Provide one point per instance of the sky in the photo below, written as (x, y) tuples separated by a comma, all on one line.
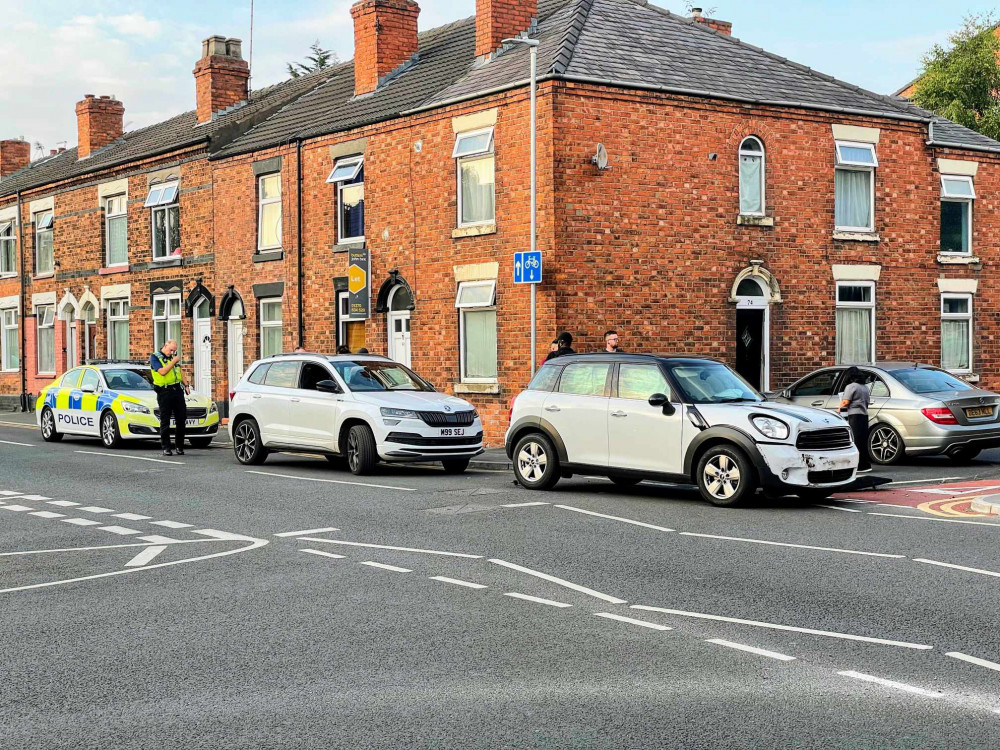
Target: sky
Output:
[(143, 52)]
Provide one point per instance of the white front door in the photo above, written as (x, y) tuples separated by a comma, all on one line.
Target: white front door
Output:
[(399, 337), (71, 358), (235, 353), (203, 356)]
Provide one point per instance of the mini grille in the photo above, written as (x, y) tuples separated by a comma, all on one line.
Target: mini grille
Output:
[(832, 439), (444, 419)]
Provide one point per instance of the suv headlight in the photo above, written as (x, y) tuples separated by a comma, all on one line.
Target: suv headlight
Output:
[(399, 413), (133, 408), (770, 427)]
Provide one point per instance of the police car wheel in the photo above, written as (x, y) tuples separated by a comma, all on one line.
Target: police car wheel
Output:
[(110, 435), (247, 444), (49, 434)]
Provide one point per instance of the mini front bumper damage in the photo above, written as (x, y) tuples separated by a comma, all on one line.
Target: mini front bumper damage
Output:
[(789, 466)]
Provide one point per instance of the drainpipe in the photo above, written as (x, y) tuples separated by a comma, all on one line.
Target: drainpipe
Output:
[(20, 312), (298, 236)]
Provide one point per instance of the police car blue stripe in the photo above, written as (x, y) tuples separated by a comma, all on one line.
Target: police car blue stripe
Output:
[(75, 399)]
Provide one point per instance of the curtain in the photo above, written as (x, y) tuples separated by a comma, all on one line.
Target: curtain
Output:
[(10, 348), (854, 334), (751, 174), (477, 191), (480, 343), (271, 341), (270, 225), (7, 257), (119, 339), (955, 344), (44, 259), (853, 198), (117, 241), (46, 349), (352, 211)]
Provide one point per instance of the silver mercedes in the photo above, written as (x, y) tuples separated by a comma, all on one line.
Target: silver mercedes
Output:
[(916, 410)]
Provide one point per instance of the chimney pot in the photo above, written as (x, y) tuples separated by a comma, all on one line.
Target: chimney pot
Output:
[(723, 27), (14, 155), (98, 123), (220, 76), (385, 37), (497, 20)]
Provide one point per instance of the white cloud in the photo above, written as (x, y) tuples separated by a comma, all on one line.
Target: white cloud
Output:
[(135, 24)]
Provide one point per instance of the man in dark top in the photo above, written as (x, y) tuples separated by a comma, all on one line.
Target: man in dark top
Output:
[(611, 342), (564, 343), (168, 381)]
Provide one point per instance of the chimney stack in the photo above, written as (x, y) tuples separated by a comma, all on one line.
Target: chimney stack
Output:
[(98, 123), (723, 27), (385, 37), (220, 76), (497, 20), (14, 155)]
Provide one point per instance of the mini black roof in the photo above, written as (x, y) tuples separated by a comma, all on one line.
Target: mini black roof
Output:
[(624, 356)]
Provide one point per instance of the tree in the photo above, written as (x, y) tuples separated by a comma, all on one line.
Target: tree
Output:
[(962, 82), (319, 59)]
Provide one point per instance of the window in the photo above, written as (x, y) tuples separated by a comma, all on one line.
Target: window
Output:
[(875, 384), (350, 330), (270, 327), (476, 198), (585, 379), (45, 317), (349, 176), (44, 262), (312, 375), (167, 320), (366, 375), (476, 303), (166, 220), (282, 375), (545, 379), (257, 376), (8, 249), (118, 343), (922, 380), (956, 332), (115, 228), (269, 212), (957, 195), (854, 187), (639, 382), (10, 340), (820, 384), (855, 323), (71, 379), (91, 380), (752, 177)]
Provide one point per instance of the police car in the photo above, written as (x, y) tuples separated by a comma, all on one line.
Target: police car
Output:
[(115, 401)]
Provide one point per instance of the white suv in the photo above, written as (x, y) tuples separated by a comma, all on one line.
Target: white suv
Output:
[(678, 419), (362, 408)]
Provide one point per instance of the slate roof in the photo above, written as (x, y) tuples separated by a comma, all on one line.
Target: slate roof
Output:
[(176, 133)]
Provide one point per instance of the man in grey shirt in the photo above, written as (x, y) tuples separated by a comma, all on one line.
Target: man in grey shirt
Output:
[(855, 404)]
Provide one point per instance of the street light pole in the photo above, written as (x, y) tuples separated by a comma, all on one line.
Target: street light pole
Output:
[(533, 45)]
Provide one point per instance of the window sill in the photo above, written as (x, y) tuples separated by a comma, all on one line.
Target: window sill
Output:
[(8, 275), (112, 269), (748, 220), (488, 388), (50, 275), (169, 262), (344, 247), (474, 231), (268, 256), (955, 259), (840, 234)]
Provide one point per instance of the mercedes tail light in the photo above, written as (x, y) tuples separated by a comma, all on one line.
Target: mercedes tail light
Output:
[(939, 415)]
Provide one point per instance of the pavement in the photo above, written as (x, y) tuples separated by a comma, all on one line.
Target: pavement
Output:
[(193, 602)]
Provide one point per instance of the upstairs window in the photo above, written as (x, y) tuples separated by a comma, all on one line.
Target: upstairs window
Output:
[(166, 220), (752, 177), (116, 230), (854, 187), (855, 323), (118, 335), (167, 320), (45, 316), (476, 303), (8, 249), (269, 212), (349, 176), (957, 196), (270, 327), (476, 177), (10, 340), (44, 261), (956, 332)]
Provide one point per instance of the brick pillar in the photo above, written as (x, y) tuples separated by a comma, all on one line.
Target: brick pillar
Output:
[(385, 37), (99, 121), (220, 76), (497, 20)]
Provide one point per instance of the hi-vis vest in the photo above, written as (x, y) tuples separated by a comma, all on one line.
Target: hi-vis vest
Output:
[(172, 377)]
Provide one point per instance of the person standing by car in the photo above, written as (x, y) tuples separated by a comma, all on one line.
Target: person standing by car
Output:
[(564, 346), (168, 382), (611, 342), (856, 399)]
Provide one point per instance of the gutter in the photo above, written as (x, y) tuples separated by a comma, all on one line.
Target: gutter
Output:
[(20, 312), (298, 237)]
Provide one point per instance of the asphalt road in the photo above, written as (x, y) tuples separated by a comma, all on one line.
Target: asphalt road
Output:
[(155, 603)]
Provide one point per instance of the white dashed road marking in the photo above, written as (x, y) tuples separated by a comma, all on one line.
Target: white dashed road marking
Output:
[(467, 584), (834, 507), (787, 544), (751, 649), (11, 442), (172, 524), (145, 557), (614, 518), (155, 539), (308, 531), (63, 503), (935, 520), (958, 567), (132, 517), (397, 549), (974, 660), (383, 566), (536, 599), (632, 621), (47, 514), (332, 481), (10, 493), (889, 683), (523, 505), (559, 582), (95, 509), (35, 498), (120, 530), (322, 553), (225, 536), (16, 508), (82, 522), (133, 458)]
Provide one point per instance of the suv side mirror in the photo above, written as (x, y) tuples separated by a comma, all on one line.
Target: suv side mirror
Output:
[(328, 386), (660, 399)]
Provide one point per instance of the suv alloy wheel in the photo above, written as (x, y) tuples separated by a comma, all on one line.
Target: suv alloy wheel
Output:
[(536, 464), (247, 444), (362, 454), (725, 477)]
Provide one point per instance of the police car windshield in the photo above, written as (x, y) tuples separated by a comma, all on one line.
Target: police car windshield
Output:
[(712, 383), (379, 376), (128, 380)]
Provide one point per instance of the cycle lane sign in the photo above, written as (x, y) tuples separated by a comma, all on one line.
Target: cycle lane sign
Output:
[(528, 267)]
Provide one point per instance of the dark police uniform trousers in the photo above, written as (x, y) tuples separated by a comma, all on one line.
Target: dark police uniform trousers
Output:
[(170, 399)]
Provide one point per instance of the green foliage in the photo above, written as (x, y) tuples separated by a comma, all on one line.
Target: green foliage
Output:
[(962, 82), (319, 59)]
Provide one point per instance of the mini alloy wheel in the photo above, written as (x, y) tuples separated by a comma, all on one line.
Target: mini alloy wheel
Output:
[(109, 430), (884, 445), (49, 434), (536, 464), (725, 477), (247, 445)]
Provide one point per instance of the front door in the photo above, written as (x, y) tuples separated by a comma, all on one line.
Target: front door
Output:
[(203, 356), (235, 352), (71, 358), (750, 346), (399, 337)]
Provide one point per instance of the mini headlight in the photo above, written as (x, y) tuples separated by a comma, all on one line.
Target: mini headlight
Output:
[(770, 427), (134, 408), (399, 413)]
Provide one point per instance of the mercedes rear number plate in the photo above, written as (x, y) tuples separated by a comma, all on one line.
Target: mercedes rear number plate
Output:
[(979, 411), (452, 431)]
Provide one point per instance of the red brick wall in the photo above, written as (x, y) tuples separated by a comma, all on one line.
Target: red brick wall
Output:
[(385, 37), (497, 20), (99, 121), (14, 155)]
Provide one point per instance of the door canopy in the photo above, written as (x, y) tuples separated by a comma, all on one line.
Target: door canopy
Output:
[(757, 273)]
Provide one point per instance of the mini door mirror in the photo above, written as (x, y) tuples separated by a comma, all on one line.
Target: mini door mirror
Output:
[(88, 388), (660, 399), (328, 386)]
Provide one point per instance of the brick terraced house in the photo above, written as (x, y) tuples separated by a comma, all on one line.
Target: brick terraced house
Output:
[(750, 209)]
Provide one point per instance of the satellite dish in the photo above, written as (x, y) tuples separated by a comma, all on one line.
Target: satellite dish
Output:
[(601, 157)]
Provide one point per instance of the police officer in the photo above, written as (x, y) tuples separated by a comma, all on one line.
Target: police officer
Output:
[(168, 381)]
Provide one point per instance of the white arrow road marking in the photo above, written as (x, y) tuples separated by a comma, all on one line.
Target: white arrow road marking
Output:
[(467, 584), (957, 567), (322, 553), (133, 458), (307, 531), (614, 518), (536, 599), (751, 649), (773, 626), (787, 544), (386, 546), (383, 566), (631, 621), (145, 557), (974, 660), (889, 683), (560, 582)]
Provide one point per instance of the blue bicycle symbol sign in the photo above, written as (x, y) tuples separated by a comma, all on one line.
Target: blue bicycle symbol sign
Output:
[(528, 267)]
